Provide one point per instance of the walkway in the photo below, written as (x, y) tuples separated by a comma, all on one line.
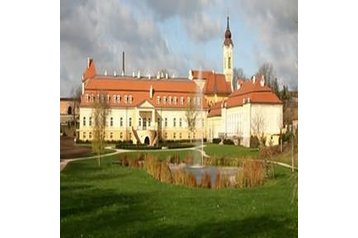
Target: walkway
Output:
[(64, 162), (198, 148)]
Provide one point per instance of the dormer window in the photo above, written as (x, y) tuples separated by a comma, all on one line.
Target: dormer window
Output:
[(130, 99), (158, 99), (170, 99), (125, 99), (175, 100), (181, 100), (164, 99)]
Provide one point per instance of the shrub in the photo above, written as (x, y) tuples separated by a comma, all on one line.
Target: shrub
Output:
[(174, 159), (189, 159), (222, 181), (254, 142), (251, 174), (165, 174), (206, 181), (228, 142)]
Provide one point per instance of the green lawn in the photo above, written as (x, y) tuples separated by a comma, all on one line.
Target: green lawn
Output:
[(229, 151), (113, 201)]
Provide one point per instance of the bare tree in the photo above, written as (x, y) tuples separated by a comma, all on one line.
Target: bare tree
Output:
[(100, 111), (238, 74), (190, 115), (76, 95), (258, 127), (267, 70)]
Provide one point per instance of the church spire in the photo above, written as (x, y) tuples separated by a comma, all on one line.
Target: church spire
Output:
[(228, 40)]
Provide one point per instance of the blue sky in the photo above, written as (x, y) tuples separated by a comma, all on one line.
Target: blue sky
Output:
[(177, 36)]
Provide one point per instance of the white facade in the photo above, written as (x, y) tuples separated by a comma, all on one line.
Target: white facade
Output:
[(248, 120)]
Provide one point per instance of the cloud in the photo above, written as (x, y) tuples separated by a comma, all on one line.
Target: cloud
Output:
[(103, 30), (194, 15), (276, 23)]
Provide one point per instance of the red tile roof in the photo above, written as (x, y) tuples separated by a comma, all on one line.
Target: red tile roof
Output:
[(215, 83), (253, 92), (139, 89), (90, 71), (215, 110)]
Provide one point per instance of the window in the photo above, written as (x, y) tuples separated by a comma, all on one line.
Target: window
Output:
[(174, 135), (121, 135), (130, 135), (188, 100), (229, 62), (180, 122), (121, 122), (90, 135), (189, 135), (130, 121), (84, 135), (108, 98), (158, 99), (149, 120), (193, 135), (180, 135), (181, 100), (90, 121), (87, 98), (125, 99), (174, 122), (164, 99), (165, 135), (130, 99), (140, 121), (170, 99), (175, 100), (111, 135), (69, 110), (165, 122), (84, 121)]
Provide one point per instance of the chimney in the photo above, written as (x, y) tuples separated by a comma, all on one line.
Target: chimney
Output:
[(89, 62), (158, 75), (253, 79), (123, 63), (114, 73), (151, 91), (133, 75), (105, 72), (138, 74), (166, 75)]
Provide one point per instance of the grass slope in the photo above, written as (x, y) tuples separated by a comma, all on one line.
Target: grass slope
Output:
[(112, 201)]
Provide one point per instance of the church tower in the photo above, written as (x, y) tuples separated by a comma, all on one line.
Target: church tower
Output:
[(228, 56)]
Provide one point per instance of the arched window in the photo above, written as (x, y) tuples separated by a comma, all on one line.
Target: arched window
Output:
[(69, 110)]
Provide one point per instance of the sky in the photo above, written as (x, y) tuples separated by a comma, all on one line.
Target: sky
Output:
[(176, 36)]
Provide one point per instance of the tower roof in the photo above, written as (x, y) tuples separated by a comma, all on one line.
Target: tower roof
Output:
[(228, 40)]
